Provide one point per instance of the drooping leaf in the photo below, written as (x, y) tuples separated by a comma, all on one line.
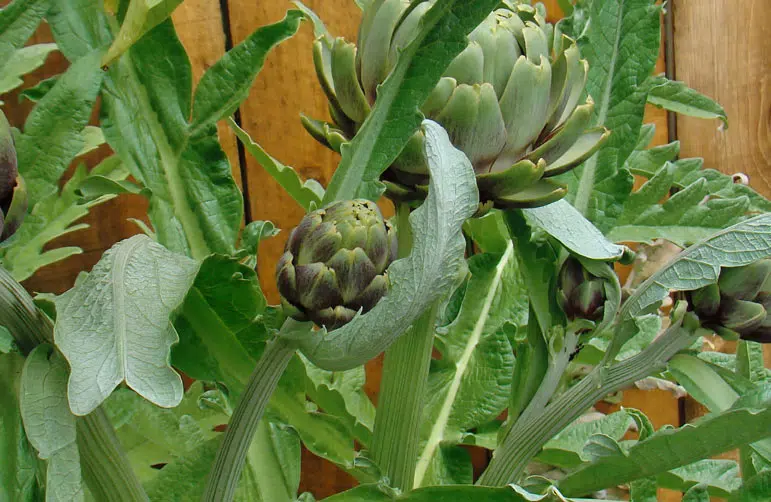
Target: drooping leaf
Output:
[(18, 22), (54, 216), (418, 280), (226, 84), (17, 458), (52, 134), (720, 477), (700, 264), (21, 62), (621, 43), (141, 16), (470, 384), (678, 97), (308, 193), (563, 222), (747, 421), (395, 116), (116, 325), (49, 423)]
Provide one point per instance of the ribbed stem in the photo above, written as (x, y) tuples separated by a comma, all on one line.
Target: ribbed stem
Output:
[(227, 467), (105, 466), (527, 437), (396, 435)]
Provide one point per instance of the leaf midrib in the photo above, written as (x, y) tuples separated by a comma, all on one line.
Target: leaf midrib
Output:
[(586, 184), (117, 276), (437, 431)]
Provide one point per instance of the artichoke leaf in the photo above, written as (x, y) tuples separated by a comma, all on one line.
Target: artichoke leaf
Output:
[(419, 280)]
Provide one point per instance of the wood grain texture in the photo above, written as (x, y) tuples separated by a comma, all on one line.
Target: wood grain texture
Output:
[(285, 88)]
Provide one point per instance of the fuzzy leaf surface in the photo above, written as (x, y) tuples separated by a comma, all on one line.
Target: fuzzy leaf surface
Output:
[(116, 325)]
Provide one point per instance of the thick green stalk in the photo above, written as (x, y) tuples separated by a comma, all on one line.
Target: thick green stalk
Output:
[(105, 465), (405, 371), (103, 461), (527, 437), (229, 462), (396, 433)]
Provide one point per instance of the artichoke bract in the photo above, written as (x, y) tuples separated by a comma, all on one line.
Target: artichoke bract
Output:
[(335, 262), (511, 101), (737, 306)]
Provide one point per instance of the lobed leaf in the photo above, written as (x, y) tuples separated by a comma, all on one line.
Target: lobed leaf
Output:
[(21, 62), (115, 325), (566, 449), (141, 16), (18, 21), (418, 280), (720, 477)]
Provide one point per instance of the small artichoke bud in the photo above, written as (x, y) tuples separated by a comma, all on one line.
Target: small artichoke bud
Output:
[(737, 305), (581, 294), (334, 263)]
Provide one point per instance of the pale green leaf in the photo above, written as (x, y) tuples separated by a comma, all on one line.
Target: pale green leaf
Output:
[(700, 264), (21, 62), (698, 493), (307, 194), (418, 280), (226, 83), (702, 382), (93, 138), (49, 423), (141, 17), (116, 325), (679, 98), (471, 383), (563, 222)]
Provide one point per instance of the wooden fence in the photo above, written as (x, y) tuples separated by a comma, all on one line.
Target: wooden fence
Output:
[(720, 47)]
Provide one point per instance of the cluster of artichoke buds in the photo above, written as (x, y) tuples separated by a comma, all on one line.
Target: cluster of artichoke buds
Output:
[(511, 101), (580, 294), (737, 305), (334, 263), (13, 196)]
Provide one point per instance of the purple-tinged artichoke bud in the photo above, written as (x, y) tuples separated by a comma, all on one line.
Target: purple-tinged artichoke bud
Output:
[(737, 305), (581, 294), (13, 195), (334, 263)]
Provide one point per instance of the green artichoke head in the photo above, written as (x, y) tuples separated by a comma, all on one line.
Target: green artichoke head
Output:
[(737, 305), (511, 101), (334, 264)]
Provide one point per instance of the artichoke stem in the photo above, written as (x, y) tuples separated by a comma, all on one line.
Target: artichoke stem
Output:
[(231, 455), (395, 438)]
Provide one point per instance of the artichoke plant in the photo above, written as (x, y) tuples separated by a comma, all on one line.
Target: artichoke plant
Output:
[(13, 196), (737, 305), (334, 263), (511, 101), (580, 294)]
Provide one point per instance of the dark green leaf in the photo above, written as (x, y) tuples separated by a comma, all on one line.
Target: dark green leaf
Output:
[(36, 92), (18, 22), (52, 133), (678, 97), (226, 84), (755, 489)]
